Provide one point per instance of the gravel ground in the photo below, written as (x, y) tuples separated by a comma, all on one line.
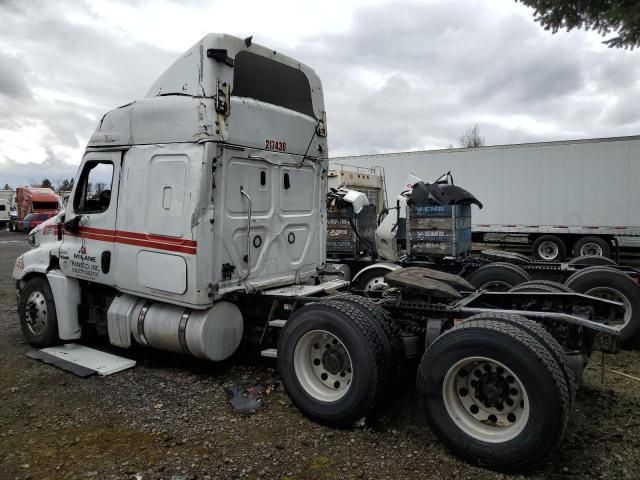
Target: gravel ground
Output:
[(169, 418)]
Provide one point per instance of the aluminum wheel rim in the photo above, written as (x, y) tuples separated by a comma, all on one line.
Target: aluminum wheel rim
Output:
[(376, 284), (323, 366), (548, 250), (496, 286), (36, 312), (485, 399), (591, 249), (608, 293)]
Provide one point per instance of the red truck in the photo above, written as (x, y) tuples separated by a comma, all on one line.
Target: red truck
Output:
[(33, 200)]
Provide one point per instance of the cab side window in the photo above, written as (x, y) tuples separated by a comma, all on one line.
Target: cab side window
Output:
[(93, 192)]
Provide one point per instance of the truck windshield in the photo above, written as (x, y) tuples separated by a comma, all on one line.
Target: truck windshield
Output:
[(272, 82)]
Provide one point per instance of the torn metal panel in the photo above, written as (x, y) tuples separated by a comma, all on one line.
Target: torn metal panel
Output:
[(82, 361)]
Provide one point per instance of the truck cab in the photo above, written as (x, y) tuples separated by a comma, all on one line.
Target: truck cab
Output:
[(209, 185)]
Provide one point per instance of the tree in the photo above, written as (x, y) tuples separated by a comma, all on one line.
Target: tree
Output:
[(98, 188), (64, 185), (602, 16), (46, 183), (7, 187), (471, 138)]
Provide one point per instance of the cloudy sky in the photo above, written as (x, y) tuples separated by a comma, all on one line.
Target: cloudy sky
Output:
[(398, 75)]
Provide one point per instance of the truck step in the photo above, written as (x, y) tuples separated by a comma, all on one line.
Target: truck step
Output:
[(278, 323), (270, 352)]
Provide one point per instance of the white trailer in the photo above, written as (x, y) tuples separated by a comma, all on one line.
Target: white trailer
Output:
[(571, 197)]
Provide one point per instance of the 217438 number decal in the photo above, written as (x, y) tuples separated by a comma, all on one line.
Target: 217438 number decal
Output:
[(276, 145)]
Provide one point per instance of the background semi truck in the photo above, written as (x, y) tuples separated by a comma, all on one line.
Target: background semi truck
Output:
[(566, 198), (6, 202), (33, 200)]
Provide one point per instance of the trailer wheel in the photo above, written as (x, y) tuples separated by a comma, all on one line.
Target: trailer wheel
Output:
[(37, 313), (541, 286), (545, 338), (394, 347), (611, 284), (493, 395), (593, 260), (549, 248), (498, 277), (503, 256), (592, 246), (330, 358)]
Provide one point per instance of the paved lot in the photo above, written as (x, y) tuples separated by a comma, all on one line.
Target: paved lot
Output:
[(169, 418)]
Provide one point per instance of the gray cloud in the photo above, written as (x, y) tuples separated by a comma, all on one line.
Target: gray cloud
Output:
[(13, 77), (450, 64)]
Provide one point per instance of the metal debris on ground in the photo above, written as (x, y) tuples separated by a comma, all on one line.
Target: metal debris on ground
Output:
[(82, 361), (246, 399)]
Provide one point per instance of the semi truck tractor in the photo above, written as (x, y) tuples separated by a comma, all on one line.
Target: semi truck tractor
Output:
[(211, 235), (566, 198), (33, 200)]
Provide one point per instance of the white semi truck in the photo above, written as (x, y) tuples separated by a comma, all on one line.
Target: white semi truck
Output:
[(566, 198), (211, 234)]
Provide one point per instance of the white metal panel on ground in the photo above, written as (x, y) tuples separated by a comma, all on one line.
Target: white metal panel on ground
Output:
[(101, 362), (572, 185)]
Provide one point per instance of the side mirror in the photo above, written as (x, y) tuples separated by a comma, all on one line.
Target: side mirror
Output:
[(73, 225)]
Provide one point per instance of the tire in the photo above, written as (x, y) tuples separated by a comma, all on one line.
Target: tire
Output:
[(541, 286), (537, 331), (394, 347), (371, 281), (539, 396), (606, 282), (592, 246), (37, 313), (318, 389), (549, 248), (507, 257), (592, 261), (498, 276), (11, 229)]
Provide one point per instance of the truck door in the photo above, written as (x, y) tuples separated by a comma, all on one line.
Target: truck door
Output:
[(89, 234)]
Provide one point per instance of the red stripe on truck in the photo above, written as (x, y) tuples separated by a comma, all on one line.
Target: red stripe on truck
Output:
[(159, 242)]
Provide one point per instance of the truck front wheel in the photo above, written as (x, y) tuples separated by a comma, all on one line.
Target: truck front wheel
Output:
[(493, 394), (330, 358), (37, 313)]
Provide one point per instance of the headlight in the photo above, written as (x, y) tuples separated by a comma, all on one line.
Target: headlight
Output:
[(32, 240)]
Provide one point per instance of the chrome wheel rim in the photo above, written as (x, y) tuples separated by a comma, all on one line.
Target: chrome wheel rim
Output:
[(376, 284), (485, 399), (323, 366), (608, 293), (591, 249), (548, 250), (36, 312)]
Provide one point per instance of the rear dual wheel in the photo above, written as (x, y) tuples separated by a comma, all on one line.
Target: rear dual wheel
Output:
[(494, 394), (334, 360), (611, 284), (498, 277)]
